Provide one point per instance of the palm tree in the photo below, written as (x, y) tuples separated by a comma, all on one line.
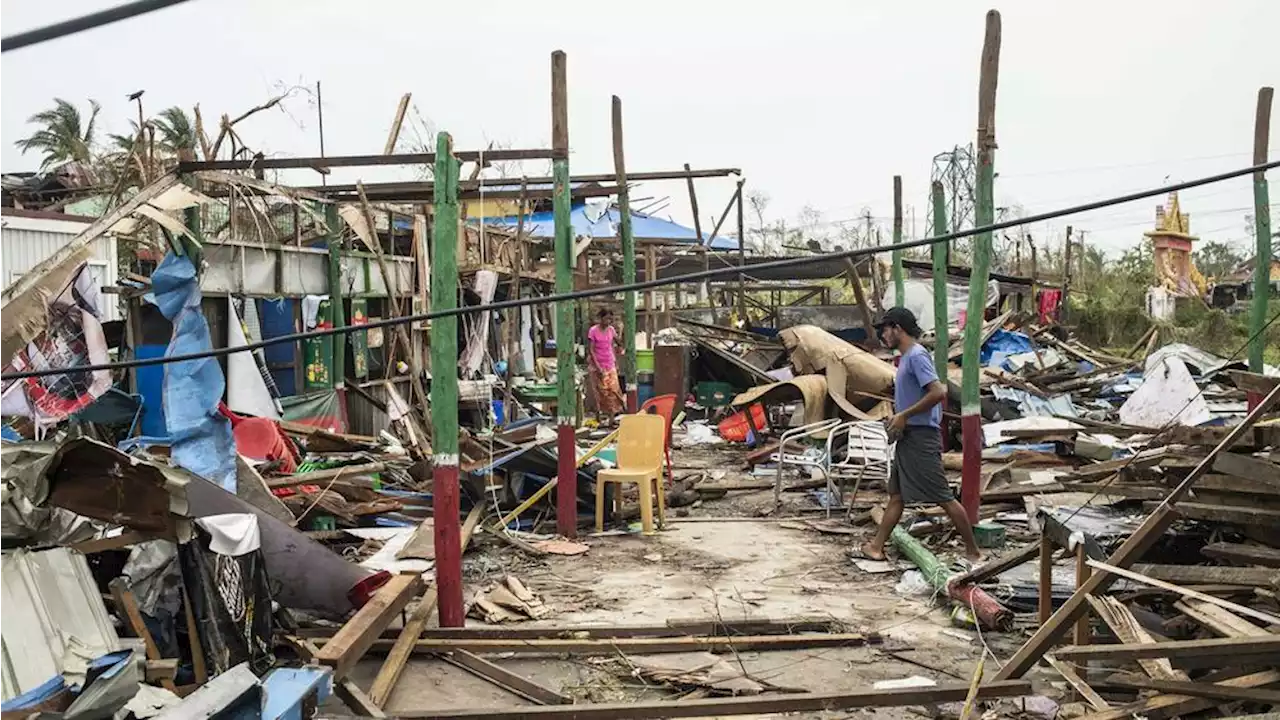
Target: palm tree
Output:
[(177, 131), (64, 136)]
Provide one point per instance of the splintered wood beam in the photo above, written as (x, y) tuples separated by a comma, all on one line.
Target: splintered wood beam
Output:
[(1158, 707), (610, 646), (1151, 529), (1126, 627), (355, 638), (1243, 554), (333, 161), (1240, 647), (1219, 620), (679, 627), (1077, 683), (389, 673), (1248, 467), (505, 679), (127, 607), (756, 705), (993, 568), (1212, 575), (1194, 689), (1187, 592)]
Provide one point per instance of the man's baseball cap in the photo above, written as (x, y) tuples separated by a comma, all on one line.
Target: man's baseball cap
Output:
[(902, 318)]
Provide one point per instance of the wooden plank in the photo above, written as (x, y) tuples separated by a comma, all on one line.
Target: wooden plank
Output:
[(355, 638), (164, 669), (115, 542), (1252, 382), (1240, 647), (1243, 554), (127, 607), (1197, 574), (755, 705), (389, 673), (1219, 620), (1187, 592), (1248, 467), (505, 679), (1163, 706), (1194, 689), (1077, 683), (320, 477), (1151, 529), (1045, 579), (1238, 514), (640, 646), (994, 567), (198, 666), (1126, 627), (1237, 484), (678, 627)]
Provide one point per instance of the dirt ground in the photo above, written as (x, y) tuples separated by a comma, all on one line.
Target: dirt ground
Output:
[(721, 560)]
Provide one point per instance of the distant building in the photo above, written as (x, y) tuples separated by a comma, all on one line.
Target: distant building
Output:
[(30, 236)]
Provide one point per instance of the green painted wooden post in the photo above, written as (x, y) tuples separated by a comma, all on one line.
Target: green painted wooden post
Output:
[(628, 242), (444, 387), (1262, 235), (941, 329), (337, 311), (984, 214), (899, 280), (566, 333)]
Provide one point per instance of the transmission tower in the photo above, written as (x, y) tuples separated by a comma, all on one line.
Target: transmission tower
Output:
[(956, 170)]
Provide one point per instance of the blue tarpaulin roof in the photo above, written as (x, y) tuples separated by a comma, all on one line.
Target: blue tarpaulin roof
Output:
[(542, 224)]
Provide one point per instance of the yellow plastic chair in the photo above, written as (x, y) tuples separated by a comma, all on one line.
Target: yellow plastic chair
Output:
[(641, 440)]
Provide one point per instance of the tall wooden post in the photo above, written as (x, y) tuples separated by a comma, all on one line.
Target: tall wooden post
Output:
[(899, 281), (628, 243), (697, 229), (970, 399), (941, 311), (742, 258), (566, 333), (337, 312), (444, 387), (1262, 236), (1066, 278), (1035, 289)]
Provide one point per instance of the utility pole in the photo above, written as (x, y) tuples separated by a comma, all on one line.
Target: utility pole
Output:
[(1262, 236), (1066, 279), (942, 340), (970, 399), (628, 243), (566, 334), (742, 258), (444, 387), (899, 282)]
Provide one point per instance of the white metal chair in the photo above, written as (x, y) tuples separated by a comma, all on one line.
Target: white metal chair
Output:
[(819, 462), (867, 454)]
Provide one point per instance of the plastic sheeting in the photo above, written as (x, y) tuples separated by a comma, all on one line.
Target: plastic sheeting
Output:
[(1168, 394), (199, 437), (1002, 344), (919, 300)]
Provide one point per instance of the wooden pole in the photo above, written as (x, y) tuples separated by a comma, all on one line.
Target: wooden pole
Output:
[(1045, 578), (628, 243), (941, 309), (855, 284), (515, 324), (444, 386), (697, 227), (970, 400), (1035, 290), (337, 313), (742, 259), (566, 448), (1066, 278), (1262, 235), (899, 279), (394, 135)]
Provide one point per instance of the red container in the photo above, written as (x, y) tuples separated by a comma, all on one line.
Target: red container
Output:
[(261, 439), (735, 428)]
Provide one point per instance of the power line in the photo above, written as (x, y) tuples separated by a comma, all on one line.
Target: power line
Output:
[(780, 264), (84, 22)]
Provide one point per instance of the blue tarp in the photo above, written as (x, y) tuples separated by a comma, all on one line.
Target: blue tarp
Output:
[(199, 438), (1002, 344), (542, 224)]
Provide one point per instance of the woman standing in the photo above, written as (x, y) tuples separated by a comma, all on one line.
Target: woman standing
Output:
[(602, 367)]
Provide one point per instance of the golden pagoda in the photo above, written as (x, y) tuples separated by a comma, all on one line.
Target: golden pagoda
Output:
[(1172, 241)]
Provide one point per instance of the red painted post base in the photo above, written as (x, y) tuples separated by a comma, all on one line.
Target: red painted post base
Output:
[(1255, 399), (971, 477), (566, 481), (444, 485), (633, 401)]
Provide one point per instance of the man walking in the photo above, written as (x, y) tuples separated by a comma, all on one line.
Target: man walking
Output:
[(917, 477)]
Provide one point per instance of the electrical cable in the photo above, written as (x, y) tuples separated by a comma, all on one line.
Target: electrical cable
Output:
[(649, 284), (83, 22)]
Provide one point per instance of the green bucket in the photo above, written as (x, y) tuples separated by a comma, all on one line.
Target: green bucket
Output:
[(644, 361), (989, 534)]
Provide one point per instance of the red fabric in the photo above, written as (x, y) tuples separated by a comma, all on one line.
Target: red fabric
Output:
[(1048, 303)]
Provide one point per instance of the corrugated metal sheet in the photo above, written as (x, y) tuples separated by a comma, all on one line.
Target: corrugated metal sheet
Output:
[(27, 241), (54, 618)]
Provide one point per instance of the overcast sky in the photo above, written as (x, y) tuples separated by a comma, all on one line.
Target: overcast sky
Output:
[(820, 103)]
